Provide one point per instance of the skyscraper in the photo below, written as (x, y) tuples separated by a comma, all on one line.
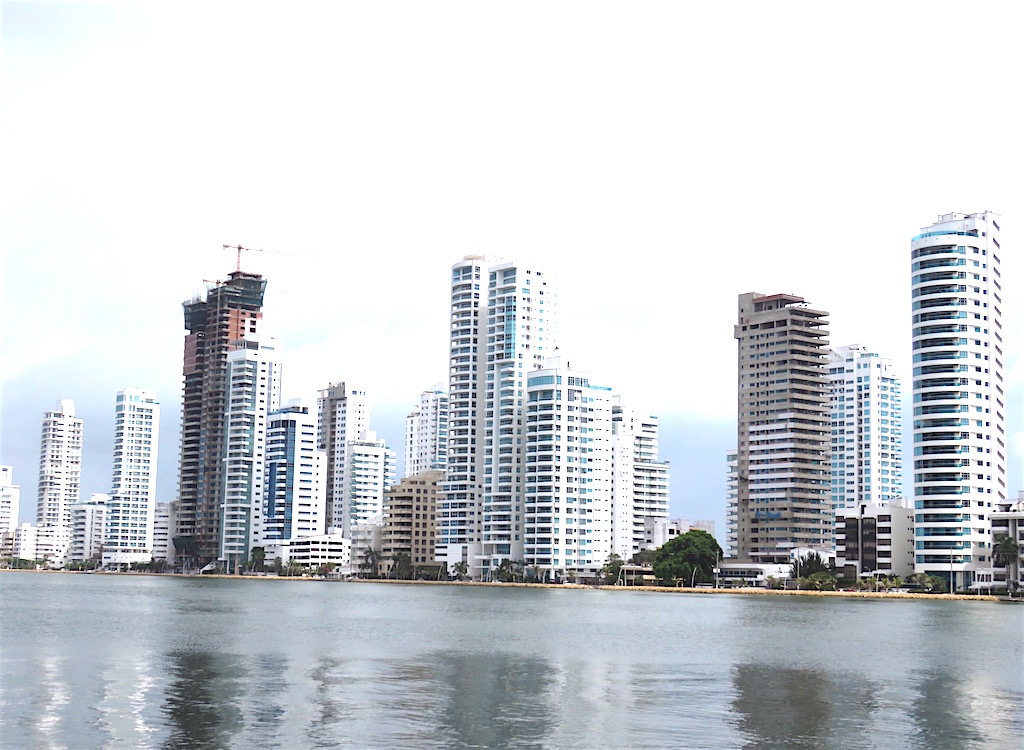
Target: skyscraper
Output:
[(60, 471), (496, 339), (640, 481), (128, 524), (782, 460), (959, 399), (566, 456), (253, 391), (370, 468), (426, 433), (867, 429), (231, 311), (296, 486), (343, 415)]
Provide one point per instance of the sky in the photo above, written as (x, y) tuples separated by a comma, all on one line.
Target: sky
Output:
[(658, 158)]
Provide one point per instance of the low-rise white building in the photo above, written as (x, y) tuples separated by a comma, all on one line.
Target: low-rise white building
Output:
[(658, 531), (88, 518), (313, 551), (10, 500), (1008, 521)]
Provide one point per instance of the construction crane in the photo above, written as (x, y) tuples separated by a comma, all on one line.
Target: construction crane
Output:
[(238, 249), (238, 259)]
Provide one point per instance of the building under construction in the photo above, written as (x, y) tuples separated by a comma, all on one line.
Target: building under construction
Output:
[(231, 311)]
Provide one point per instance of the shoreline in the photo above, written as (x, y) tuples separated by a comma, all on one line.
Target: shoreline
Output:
[(651, 589)]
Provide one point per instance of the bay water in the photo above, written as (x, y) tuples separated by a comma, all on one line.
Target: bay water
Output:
[(105, 661)]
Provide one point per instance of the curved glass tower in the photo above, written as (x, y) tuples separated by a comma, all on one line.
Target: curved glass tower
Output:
[(959, 400)]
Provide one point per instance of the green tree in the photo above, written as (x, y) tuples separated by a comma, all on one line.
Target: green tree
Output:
[(1006, 554), (460, 570), (612, 567), (688, 557), (808, 565), (370, 564), (401, 567), (258, 556)]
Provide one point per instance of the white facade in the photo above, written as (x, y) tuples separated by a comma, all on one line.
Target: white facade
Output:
[(128, 535), (867, 429), (296, 485), (959, 402), (88, 519), (163, 525), (502, 327), (873, 539), (640, 483), (461, 495), (659, 531), (567, 460), (10, 500), (1008, 521), (60, 466), (253, 390), (426, 433), (45, 544), (370, 469), (343, 414), (313, 551)]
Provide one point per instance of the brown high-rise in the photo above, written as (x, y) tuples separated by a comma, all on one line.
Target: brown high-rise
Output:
[(232, 309), (783, 451)]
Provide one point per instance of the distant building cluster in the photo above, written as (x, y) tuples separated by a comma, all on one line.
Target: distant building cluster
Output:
[(522, 461)]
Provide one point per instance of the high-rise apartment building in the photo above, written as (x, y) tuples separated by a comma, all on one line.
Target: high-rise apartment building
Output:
[(370, 469), (128, 530), (867, 429), (426, 433), (640, 481), (296, 496), (782, 458), (343, 415), (566, 457), (60, 473), (502, 327), (959, 398), (410, 510), (231, 311), (10, 500), (253, 378)]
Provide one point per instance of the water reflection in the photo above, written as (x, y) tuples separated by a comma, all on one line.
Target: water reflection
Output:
[(201, 703), (800, 708), (943, 715)]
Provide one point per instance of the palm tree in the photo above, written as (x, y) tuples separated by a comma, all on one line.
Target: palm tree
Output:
[(371, 562), (460, 569), (1005, 554)]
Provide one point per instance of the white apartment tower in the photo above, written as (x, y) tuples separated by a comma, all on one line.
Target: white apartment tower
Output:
[(867, 429), (426, 433), (60, 466), (10, 500), (732, 491), (128, 529), (640, 482), (252, 391), (959, 398), (296, 489), (782, 457), (503, 320), (566, 509), (369, 471), (343, 415)]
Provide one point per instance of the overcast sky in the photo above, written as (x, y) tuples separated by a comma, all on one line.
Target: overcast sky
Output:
[(659, 158)]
